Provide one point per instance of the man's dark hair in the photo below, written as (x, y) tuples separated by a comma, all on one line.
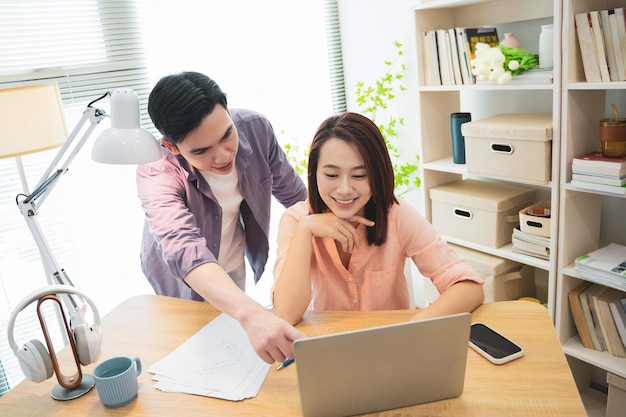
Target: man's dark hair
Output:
[(179, 102)]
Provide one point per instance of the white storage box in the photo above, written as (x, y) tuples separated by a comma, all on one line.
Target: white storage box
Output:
[(504, 279), (479, 211), (616, 401), (536, 219), (510, 145)]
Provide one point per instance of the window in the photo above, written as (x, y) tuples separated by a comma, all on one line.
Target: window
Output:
[(88, 47), (268, 56)]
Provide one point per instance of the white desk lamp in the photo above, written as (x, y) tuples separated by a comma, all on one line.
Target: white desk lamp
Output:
[(32, 121)]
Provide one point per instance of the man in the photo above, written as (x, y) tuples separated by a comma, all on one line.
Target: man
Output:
[(207, 202)]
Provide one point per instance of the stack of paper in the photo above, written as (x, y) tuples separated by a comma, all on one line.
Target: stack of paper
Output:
[(529, 244), (218, 361), (605, 266)]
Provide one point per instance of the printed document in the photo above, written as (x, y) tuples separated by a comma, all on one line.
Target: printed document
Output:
[(218, 361)]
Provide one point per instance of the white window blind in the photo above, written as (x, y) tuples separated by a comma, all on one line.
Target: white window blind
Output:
[(88, 47), (335, 56)]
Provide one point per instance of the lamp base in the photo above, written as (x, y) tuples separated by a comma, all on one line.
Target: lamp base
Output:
[(65, 394)]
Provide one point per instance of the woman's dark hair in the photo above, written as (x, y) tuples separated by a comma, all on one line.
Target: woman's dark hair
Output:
[(361, 132), (179, 102)]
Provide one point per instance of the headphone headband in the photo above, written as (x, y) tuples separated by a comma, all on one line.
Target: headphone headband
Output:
[(36, 295)]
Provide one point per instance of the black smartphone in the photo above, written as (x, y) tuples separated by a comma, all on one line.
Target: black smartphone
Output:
[(492, 345)]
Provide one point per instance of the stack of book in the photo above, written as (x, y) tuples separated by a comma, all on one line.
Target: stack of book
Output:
[(448, 54), (606, 266), (530, 244), (599, 314), (597, 172), (601, 38)]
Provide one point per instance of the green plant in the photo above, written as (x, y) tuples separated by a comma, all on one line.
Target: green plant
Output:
[(370, 99), (297, 155)]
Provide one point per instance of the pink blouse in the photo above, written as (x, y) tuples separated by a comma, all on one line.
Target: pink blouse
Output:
[(375, 277)]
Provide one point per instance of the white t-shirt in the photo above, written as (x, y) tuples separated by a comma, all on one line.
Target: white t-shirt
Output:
[(227, 193)]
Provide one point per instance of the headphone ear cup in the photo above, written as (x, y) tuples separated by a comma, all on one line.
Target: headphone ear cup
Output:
[(87, 341), (35, 361)]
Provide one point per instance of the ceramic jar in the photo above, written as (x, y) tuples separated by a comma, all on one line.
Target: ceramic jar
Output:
[(546, 40)]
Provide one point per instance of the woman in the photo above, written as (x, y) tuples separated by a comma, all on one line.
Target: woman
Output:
[(345, 247)]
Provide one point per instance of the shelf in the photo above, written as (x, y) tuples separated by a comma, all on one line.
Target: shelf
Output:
[(445, 165), (613, 85), (571, 187), (486, 87), (589, 219), (448, 166), (603, 360), (505, 251), (436, 103)]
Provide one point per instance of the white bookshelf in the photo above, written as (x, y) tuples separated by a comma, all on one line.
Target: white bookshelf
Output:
[(435, 103), (588, 219), (582, 220)]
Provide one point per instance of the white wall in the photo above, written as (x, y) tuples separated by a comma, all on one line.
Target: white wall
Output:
[(368, 30)]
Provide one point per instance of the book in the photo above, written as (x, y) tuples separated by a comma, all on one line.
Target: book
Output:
[(606, 265), (612, 189), (620, 20), (472, 36), (596, 159), (445, 57), (578, 315), (466, 67), (531, 238), (530, 249), (587, 47), (584, 304), (429, 76), (433, 58), (529, 244), (614, 71), (599, 179), (607, 324), (600, 48), (607, 172), (454, 54), (618, 309), (595, 318), (620, 54)]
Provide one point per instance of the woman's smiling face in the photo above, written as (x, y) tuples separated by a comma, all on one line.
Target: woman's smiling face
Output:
[(342, 179)]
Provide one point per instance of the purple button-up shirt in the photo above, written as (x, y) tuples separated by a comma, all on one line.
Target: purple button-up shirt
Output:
[(184, 219)]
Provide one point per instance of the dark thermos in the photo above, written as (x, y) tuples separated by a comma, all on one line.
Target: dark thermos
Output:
[(458, 141)]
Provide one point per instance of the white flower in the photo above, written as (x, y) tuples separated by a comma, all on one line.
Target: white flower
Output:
[(489, 64), (513, 65)]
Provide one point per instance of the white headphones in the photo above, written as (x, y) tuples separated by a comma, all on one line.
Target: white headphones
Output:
[(33, 356)]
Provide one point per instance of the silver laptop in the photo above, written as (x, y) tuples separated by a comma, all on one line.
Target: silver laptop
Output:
[(382, 367)]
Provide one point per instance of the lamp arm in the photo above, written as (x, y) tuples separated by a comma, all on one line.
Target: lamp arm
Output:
[(29, 208), (51, 175)]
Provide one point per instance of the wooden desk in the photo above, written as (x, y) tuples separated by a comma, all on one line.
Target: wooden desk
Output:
[(538, 384)]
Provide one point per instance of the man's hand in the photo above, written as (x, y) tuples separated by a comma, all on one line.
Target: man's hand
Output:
[(271, 337)]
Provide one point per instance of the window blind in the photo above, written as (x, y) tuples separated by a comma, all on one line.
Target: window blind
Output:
[(335, 56), (88, 47)]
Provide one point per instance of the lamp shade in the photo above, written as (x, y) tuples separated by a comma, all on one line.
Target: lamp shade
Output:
[(125, 142), (31, 120)]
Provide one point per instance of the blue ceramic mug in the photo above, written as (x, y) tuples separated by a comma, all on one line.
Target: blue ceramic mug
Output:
[(116, 380)]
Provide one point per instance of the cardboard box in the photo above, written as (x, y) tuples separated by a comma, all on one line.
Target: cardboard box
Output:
[(510, 145), (616, 401), (536, 219), (504, 279), (479, 211)]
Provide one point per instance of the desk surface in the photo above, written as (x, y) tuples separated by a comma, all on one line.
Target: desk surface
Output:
[(538, 384)]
